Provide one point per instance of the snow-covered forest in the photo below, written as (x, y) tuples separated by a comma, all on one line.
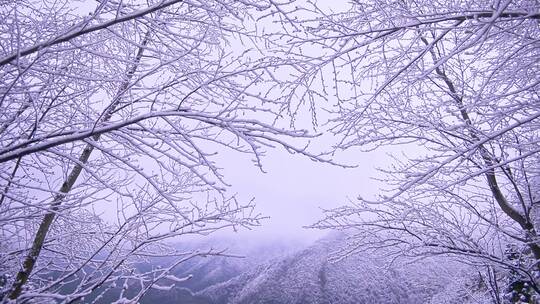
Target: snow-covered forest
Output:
[(119, 117)]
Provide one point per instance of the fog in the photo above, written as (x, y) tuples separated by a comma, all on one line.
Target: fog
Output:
[(294, 190)]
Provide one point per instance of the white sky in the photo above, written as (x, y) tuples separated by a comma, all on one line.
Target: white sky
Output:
[(294, 189)]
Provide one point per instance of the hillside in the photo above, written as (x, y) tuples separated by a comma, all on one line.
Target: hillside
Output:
[(313, 276)]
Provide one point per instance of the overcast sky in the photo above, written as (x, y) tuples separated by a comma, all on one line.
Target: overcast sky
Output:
[(294, 189)]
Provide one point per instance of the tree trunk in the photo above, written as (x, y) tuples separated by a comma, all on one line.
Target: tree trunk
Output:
[(41, 234)]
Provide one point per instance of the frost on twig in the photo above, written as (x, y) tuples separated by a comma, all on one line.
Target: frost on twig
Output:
[(452, 90), (112, 118)]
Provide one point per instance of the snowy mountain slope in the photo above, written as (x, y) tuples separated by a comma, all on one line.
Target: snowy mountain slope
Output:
[(287, 275), (213, 270), (308, 277)]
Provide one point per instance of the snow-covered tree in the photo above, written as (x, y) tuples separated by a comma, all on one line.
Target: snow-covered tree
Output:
[(453, 87), (111, 113)]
